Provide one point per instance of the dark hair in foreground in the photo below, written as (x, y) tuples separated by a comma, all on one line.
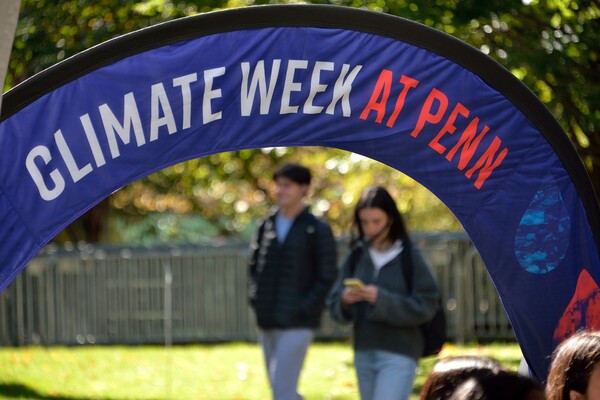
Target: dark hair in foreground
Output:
[(449, 373), (501, 385), (572, 365), (379, 197)]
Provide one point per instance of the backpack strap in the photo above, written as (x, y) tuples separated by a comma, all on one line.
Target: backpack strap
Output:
[(407, 265), (261, 230), (311, 230), (355, 254)]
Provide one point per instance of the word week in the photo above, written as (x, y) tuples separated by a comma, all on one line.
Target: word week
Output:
[(254, 87)]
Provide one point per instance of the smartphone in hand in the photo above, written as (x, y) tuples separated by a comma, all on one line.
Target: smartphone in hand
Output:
[(353, 283)]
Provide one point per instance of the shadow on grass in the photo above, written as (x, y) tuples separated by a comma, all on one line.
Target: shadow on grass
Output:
[(20, 391)]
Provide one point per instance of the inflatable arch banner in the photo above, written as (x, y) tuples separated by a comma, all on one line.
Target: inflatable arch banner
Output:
[(390, 89)]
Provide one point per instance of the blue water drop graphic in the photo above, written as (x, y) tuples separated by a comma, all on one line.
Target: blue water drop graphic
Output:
[(542, 237)]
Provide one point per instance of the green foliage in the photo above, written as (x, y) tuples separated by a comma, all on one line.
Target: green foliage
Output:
[(225, 372), (553, 46), (233, 191)]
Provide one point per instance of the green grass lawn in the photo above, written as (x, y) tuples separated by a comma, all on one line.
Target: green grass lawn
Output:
[(222, 372)]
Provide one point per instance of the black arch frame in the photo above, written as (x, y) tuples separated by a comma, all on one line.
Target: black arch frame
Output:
[(320, 16)]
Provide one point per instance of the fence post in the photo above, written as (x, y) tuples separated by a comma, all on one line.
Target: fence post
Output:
[(168, 318), (211, 304), (461, 297)]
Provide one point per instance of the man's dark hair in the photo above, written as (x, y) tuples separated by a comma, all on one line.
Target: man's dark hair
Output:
[(294, 172)]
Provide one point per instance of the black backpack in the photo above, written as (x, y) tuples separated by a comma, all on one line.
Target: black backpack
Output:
[(434, 331)]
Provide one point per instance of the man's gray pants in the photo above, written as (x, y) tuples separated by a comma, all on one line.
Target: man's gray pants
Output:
[(284, 351)]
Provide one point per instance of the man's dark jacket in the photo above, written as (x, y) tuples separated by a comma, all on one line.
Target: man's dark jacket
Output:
[(289, 281)]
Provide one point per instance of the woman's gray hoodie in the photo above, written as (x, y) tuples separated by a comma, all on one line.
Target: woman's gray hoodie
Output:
[(392, 323)]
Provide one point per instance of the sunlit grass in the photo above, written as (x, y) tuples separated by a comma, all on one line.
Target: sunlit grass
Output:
[(232, 371)]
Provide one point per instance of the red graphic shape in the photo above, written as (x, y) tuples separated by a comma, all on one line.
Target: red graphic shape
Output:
[(583, 312)]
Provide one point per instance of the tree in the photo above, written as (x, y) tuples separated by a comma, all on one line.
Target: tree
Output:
[(552, 46), (233, 190)]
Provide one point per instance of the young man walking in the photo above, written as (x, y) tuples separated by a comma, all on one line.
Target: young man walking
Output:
[(292, 267)]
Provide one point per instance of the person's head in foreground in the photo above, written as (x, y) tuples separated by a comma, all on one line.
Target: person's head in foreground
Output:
[(502, 385), (575, 370), (449, 373)]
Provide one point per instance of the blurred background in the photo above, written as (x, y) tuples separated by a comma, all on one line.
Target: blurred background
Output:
[(201, 214), (553, 46), (163, 259)]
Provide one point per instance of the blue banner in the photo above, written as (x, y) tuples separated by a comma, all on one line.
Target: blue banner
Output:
[(424, 104)]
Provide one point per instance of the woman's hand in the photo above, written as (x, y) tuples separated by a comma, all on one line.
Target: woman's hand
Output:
[(354, 295), (368, 294), (351, 296)]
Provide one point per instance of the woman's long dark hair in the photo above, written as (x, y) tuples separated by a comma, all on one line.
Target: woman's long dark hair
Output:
[(378, 197)]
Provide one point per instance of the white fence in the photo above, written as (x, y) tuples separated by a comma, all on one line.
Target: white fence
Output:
[(124, 295)]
